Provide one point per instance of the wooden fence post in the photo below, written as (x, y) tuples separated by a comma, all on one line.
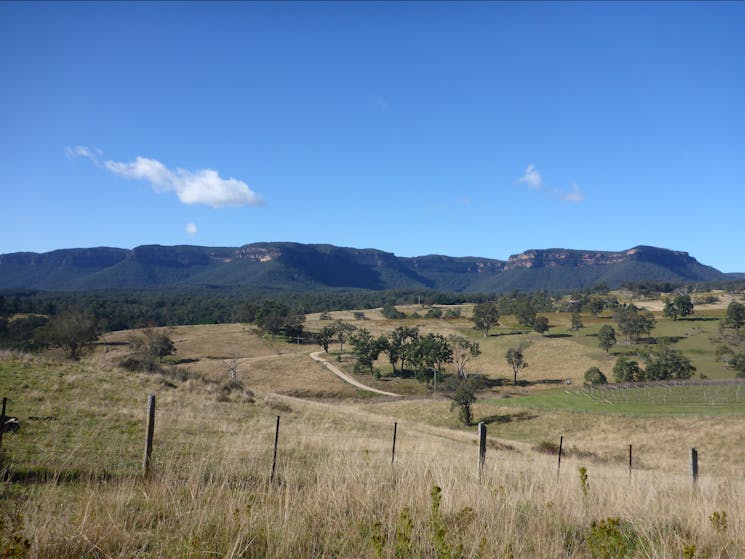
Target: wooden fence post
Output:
[(2, 423), (274, 460), (694, 466), (561, 448), (482, 448), (630, 461), (149, 435), (393, 450)]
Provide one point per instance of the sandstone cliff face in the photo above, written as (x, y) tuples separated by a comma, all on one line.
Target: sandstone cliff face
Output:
[(296, 266), (554, 257)]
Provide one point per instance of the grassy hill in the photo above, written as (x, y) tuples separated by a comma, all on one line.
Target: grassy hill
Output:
[(72, 483)]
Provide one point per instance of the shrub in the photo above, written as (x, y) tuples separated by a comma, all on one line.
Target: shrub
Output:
[(593, 375), (611, 538), (434, 312)]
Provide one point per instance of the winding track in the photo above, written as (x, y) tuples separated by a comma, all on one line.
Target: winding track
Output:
[(316, 356)]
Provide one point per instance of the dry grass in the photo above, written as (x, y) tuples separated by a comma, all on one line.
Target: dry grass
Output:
[(74, 487), (336, 496)]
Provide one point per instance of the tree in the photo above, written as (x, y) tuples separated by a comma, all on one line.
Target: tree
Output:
[(325, 337), (276, 318), (593, 375), (434, 312), (430, 353), (516, 359), (735, 316), (633, 324), (577, 323), (270, 316), (525, 313), (540, 324), (683, 304), (463, 351), (149, 348), (607, 337), (462, 392), (627, 370), (365, 348), (342, 331), (737, 362), (391, 312), (398, 342), (680, 305), (669, 310), (596, 305), (664, 363), (73, 331), (160, 344), (485, 315)]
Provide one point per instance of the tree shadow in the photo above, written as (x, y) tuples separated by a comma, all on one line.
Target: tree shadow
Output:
[(558, 335), (495, 382), (550, 381), (666, 340), (699, 318), (507, 418)]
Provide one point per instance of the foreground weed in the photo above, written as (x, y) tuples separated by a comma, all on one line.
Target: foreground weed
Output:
[(610, 539), (377, 539), (13, 542), (404, 528), (436, 522), (718, 521)]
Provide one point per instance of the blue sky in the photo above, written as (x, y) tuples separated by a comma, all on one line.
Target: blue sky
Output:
[(481, 129)]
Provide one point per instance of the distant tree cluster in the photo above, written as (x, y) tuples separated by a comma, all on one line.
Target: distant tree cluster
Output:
[(660, 363), (634, 323), (276, 318), (409, 352)]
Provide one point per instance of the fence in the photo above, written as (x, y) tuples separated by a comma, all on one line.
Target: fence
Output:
[(286, 448)]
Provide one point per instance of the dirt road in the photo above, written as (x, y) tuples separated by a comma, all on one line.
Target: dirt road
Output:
[(316, 356)]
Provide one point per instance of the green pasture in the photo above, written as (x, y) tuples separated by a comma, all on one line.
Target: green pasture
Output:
[(700, 400)]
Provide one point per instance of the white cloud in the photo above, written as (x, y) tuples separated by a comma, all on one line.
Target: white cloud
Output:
[(204, 186), (531, 177), (574, 195), (79, 151), (191, 228)]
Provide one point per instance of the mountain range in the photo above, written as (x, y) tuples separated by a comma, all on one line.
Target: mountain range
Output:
[(284, 266)]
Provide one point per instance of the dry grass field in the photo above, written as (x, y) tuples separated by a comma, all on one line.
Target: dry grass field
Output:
[(72, 481)]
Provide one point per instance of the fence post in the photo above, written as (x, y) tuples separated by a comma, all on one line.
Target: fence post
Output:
[(393, 450), (2, 423), (482, 448), (694, 466), (558, 466), (149, 435), (630, 461), (276, 442)]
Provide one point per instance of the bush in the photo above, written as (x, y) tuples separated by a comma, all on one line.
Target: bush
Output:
[(434, 312), (612, 538), (593, 375), (391, 312)]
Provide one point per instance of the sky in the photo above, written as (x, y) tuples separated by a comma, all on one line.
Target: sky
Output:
[(465, 129)]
